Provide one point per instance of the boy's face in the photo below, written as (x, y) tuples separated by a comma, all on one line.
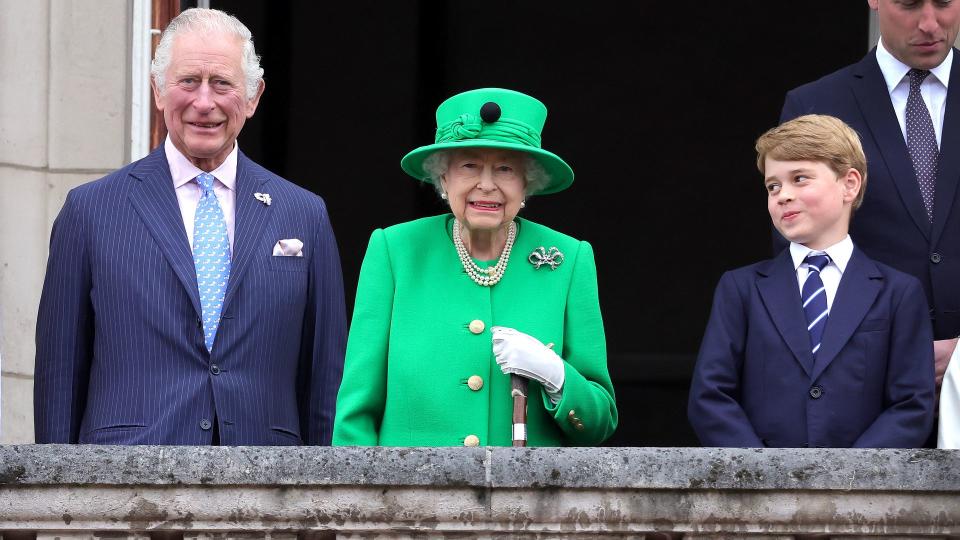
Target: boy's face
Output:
[(808, 203)]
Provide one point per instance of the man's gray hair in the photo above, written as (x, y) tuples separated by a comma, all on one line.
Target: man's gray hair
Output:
[(208, 21), (435, 165)]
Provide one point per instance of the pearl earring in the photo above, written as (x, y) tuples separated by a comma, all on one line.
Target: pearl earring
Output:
[(523, 204), (443, 196)]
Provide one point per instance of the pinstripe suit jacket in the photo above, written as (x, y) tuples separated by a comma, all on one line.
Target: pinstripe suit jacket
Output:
[(120, 353)]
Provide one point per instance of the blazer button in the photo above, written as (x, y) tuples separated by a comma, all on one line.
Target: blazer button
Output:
[(471, 440), (215, 369), (475, 382), (205, 424), (816, 392), (935, 258), (200, 323), (477, 326)]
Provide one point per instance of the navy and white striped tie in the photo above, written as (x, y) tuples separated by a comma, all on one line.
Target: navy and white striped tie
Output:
[(815, 299)]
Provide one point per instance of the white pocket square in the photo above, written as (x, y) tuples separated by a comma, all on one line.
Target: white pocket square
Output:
[(291, 247)]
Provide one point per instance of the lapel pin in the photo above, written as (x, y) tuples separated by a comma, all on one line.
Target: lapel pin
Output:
[(263, 197), (541, 256)]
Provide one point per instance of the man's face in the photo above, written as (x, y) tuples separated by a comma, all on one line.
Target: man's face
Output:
[(204, 100), (919, 33)]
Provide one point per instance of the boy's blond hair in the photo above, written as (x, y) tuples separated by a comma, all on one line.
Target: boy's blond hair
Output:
[(816, 137)]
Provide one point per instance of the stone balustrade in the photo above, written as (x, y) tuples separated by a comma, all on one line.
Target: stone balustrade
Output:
[(54, 491)]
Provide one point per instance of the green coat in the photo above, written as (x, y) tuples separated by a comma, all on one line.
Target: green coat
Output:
[(411, 351)]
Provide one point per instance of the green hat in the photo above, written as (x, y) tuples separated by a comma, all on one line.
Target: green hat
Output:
[(492, 118)]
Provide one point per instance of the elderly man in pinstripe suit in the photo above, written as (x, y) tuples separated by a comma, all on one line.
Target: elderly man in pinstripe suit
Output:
[(192, 297)]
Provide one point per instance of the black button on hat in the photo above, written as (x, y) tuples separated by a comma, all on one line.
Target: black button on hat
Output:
[(490, 112)]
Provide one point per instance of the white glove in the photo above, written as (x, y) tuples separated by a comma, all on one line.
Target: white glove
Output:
[(521, 354)]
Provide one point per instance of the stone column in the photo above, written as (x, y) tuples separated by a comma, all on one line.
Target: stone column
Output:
[(64, 70)]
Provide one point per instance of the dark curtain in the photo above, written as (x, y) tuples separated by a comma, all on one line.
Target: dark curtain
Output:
[(656, 106)]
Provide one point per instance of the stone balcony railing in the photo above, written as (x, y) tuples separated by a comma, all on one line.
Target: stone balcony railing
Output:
[(52, 491)]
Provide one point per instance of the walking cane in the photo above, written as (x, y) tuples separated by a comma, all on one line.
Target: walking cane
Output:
[(518, 389)]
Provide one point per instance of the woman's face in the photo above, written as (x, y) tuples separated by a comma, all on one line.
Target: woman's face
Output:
[(484, 187)]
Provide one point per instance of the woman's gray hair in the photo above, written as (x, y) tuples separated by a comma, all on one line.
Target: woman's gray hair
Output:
[(435, 165), (208, 21)]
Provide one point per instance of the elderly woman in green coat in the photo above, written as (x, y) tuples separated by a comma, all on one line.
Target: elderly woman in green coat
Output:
[(449, 306)]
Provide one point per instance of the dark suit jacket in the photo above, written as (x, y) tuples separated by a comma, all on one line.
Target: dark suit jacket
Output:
[(891, 226), (120, 352), (757, 384)]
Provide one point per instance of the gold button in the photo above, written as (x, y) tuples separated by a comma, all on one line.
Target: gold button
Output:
[(471, 440), (477, 326), (579, 426), (475, 382)]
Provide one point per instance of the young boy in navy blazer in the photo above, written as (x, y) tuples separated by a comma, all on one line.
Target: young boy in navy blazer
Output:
[(820, 346)]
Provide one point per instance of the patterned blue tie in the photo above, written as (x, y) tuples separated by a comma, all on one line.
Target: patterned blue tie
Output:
[(815, 299), (922, 140), (211, 257)]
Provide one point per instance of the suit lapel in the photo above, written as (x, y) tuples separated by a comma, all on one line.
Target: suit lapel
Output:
[(859, 287), (251, 218), (777, 283), (154, 198), (870, 89), (948, 170)]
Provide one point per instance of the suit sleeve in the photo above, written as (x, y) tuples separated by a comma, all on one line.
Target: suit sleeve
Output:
[(909, 392), (587, 389), (64, 337), (362, 396), (714, 408), (325, 331)]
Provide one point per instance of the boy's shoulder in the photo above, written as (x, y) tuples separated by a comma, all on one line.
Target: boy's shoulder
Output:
[(750, 272), (892, 278)]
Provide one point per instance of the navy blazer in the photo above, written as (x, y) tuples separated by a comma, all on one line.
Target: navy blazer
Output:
[(892, 225), (120, 352), (757, 384)]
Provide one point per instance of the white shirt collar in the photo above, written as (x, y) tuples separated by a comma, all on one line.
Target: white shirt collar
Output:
[(839, 253), (894, 70), (183, 171)]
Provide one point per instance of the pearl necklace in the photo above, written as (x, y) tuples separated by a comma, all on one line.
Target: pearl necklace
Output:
[(486, 277)]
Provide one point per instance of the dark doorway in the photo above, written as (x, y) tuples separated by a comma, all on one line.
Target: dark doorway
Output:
[(656, 105)]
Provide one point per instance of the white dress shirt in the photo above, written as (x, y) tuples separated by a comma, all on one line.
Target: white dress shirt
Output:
[(189, 192), (933, 89), (839, 253)]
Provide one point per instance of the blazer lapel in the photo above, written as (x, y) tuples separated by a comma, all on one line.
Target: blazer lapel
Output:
[(154, 198), (948, 170), (777, 283), (870, 89), (859, 287), (251, 218)]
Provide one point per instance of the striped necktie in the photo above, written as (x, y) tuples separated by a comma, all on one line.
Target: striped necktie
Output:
[(814, 297), (211, 257)]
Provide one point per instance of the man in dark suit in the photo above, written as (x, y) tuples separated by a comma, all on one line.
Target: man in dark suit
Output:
[(192, 297), (903, 99)]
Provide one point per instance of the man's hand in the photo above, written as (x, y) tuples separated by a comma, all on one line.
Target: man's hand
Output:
[(942, 351)]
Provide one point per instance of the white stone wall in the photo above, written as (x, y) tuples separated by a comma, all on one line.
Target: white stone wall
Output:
[(64, 70)]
